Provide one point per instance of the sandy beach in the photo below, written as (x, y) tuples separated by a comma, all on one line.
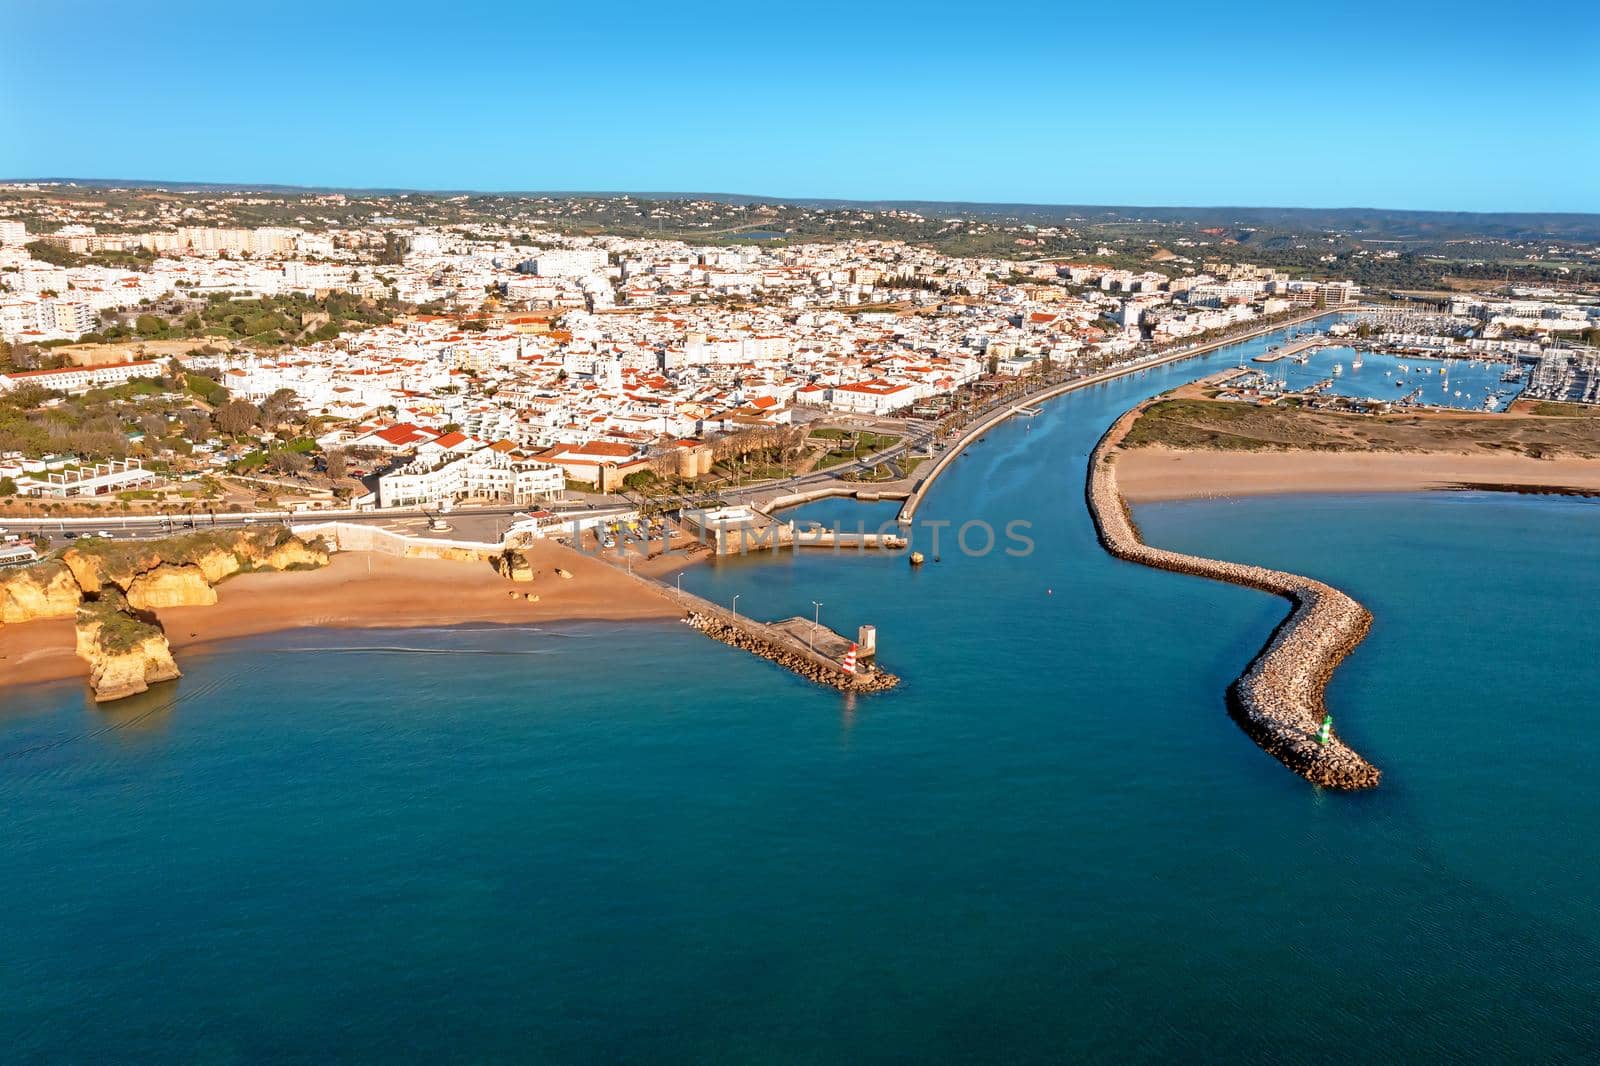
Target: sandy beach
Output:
[(361, 590), (1155, 473)]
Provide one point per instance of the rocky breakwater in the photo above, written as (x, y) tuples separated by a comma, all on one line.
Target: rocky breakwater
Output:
[(126, 649), (1279, 699), (751, 637)]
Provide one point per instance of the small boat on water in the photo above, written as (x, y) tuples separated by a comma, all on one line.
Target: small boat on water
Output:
[(1338, 368)]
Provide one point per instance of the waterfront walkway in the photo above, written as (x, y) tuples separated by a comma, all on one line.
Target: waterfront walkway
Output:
[(1027, 402)]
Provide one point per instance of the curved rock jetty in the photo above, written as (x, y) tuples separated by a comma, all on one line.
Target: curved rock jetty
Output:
[(1279, 699), (813, 668)]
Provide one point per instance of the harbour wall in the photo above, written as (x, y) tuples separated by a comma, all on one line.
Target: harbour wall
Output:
[(796, 499), (351, 536), (1279, 700)]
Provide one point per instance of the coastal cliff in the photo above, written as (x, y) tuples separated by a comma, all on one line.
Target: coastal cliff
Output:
[(169, 585), (216, 556), (112, 588), (1279, 699), (46, 590), (126, 650)]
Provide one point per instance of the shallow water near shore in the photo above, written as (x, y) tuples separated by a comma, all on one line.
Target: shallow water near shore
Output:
[(601, 841)]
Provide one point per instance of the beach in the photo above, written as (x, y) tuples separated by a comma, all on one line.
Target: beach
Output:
[(362, 590), (1155, 473)]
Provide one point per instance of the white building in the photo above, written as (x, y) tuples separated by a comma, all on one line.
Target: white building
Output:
[(82, 378), (492, 472), (876, 397), (567, 263)]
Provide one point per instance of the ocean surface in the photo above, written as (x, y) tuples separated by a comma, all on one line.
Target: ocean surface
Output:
[(600, 842)]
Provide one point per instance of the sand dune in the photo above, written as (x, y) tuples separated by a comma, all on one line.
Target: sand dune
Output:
[(1156, 473)]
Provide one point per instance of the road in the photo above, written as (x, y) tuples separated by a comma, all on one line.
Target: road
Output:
[(470, 523)]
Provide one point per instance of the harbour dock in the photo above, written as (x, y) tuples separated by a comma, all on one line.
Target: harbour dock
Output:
[(740, 530), (1292, 349)]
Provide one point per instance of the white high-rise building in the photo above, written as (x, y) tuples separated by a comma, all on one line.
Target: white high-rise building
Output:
[(567, 262)]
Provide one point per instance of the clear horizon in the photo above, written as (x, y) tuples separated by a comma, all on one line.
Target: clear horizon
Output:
[(378, 189), (1392, 109)]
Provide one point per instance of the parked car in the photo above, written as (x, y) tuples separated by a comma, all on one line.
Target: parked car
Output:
[(105, 534)]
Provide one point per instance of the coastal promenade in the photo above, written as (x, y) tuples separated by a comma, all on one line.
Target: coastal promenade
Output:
[(1026, 402), (1279, 699)]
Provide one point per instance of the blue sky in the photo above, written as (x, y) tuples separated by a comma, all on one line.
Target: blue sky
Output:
[(1467, 106)]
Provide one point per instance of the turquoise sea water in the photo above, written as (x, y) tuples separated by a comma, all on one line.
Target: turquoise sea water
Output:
[(598, 842)]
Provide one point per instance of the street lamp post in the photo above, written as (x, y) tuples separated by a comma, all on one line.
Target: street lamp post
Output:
[(816, 620), (736, 605)]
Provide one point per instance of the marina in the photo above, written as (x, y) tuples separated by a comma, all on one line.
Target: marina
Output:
[(1457, 384)]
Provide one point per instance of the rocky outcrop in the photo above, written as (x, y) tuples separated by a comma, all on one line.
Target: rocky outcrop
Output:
[(169, 585), (112, 586), (514, 566), (218, 564), (292, 554), (88, 571), (46, 590), (750, 637), (126, 651), (1279, 699), (216, 555)]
